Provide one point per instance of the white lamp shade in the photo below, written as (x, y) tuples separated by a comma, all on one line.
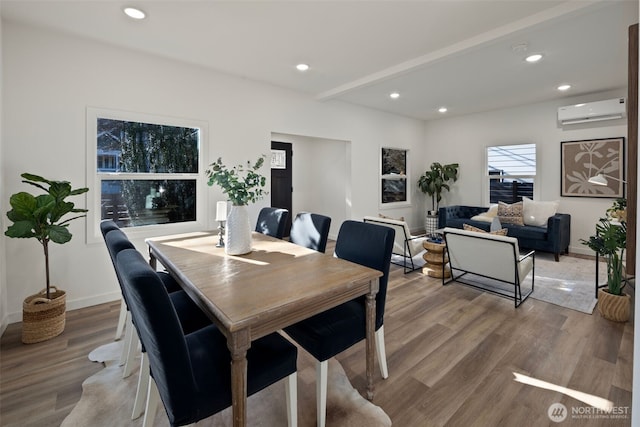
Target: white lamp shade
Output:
[(221, 211), (598, 180), (601, 179)]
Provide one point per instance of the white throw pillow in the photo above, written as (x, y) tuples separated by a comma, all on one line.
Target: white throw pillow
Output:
[(538, 213), (482, 217), (493, 211), (488, 215)]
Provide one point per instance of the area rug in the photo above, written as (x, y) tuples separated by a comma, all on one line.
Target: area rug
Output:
[(568, 283), (107, 399)]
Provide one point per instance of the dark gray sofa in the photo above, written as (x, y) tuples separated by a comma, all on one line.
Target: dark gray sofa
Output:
[(554, 238)]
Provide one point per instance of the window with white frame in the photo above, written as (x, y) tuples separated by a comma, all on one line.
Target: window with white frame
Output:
[(511, 171), (394, 186), (146, 168)]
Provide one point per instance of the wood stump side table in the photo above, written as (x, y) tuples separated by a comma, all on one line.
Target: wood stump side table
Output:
[(435, 260)]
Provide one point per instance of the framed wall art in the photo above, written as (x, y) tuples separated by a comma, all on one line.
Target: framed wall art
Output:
[(393, 177), (582, 161)]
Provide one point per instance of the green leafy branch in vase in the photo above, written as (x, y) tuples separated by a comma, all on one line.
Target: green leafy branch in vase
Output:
[(242, 183)]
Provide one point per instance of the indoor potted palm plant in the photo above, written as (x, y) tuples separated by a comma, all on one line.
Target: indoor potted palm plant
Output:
[(610, 241), (433, 182), (243, 185), (44, 217)]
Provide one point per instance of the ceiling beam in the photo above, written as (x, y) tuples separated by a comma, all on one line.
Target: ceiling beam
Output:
[(566, 8)]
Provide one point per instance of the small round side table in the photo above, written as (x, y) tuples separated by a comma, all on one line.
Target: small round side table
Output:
[(435, 260)]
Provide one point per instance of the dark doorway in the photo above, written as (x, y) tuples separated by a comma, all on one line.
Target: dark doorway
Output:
[(282, 179)]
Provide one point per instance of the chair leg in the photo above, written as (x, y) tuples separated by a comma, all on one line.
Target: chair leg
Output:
[(382, 354), (143, 385), (153, 396), (321, 392), (121, 320), (128, 336), (131, 355), (291, 392)]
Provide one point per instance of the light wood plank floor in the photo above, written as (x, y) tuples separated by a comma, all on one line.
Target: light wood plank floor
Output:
[(452, 354)]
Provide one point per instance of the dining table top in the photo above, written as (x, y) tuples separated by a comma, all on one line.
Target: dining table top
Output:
[(277, 284)]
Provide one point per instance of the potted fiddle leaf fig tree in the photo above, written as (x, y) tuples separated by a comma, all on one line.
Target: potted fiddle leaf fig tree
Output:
[(46, 218), (433, 182), (610, 241)]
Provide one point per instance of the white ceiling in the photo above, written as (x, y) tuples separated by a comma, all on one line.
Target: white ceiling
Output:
[(452, 53)]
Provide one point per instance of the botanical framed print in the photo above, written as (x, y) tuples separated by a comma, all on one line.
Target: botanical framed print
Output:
[(393, 176), (583, 160)]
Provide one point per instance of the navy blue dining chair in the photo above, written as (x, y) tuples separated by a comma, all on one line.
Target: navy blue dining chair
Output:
[(106, 226), (123, 242), (190, 315), (311, 231), (335, 330), (272, 222), (191, 373)]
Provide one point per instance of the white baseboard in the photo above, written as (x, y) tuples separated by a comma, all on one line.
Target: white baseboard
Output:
[(581, 250), (72, 304)]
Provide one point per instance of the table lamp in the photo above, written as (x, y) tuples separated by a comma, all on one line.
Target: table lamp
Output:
[(221, 217)]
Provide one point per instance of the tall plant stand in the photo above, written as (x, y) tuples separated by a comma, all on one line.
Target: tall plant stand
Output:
[(430, 224)]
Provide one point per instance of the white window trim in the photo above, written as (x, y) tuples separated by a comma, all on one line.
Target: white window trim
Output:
[(393, 205), (486, 197), (94, 178)]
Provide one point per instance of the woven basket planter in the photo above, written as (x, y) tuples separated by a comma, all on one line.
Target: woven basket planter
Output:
[(43, 318), (614, 307)]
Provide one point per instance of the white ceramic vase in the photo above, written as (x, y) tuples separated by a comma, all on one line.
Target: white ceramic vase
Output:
[(238, 231)]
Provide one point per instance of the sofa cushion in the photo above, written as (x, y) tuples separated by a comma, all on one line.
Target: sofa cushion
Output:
[(538, 213), (529, 232), (510, 214)]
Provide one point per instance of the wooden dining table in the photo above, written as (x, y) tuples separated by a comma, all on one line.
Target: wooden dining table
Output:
[(275, 285)]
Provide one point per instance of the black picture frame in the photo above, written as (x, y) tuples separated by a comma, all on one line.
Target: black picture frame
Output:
[(584, 159)]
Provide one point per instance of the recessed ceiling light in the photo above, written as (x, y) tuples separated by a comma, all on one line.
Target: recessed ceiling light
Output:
[(564, 87), (534, 58), (302, 67), (394, 95), (442, 109), (134, 13)]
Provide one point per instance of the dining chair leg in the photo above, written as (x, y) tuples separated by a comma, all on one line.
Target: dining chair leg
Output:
[(153, 397), (321, 392), (131, 355), (128, 336), (291, 393), (382, 354), (143, 384), (121, 320)]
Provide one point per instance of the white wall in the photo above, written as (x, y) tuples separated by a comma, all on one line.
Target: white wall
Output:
[(49, 80), (321, 182), (445, 139)]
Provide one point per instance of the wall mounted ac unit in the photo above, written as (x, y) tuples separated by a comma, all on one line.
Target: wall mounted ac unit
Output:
[(593, 111)]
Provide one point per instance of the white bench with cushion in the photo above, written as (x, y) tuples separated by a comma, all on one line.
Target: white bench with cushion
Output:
[(492, 257), (405, 244)]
